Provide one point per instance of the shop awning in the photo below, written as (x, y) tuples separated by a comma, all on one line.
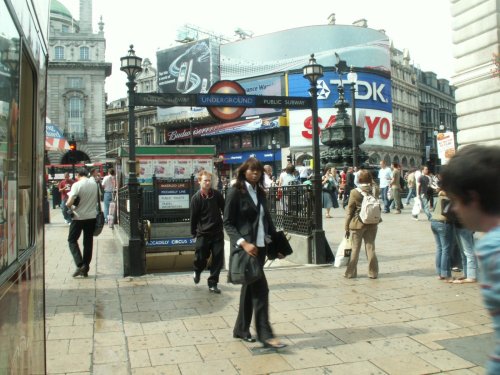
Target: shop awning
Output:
[(54, 138)]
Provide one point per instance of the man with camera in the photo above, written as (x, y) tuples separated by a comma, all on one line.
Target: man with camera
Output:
[(84, 193)]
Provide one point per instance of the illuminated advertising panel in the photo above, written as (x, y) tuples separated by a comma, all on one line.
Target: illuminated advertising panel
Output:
[(373, 106), (269, 86), (186, 69)]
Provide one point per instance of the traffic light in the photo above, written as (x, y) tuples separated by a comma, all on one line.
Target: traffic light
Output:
[(289, 158), (72, 146)]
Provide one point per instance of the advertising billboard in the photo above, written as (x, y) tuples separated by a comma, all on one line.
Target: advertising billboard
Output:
[(270, 86), (373, 106), (189, 68), (287, 50)]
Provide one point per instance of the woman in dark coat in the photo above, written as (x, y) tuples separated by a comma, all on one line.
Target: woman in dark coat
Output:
[(248, 223)]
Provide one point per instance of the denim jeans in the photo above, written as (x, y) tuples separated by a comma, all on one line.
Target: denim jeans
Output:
[(411, 194), (425, 206), (108, 197), (443, 234), (387, 202), (65, 210), (465, 241)]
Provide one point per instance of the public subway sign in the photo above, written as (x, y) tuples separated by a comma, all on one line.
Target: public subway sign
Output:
[(373, 107)]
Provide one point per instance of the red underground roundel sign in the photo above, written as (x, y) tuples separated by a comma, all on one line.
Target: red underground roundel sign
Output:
[(226, 113)]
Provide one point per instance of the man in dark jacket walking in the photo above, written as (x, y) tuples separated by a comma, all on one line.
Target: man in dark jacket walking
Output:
[(206, 208)]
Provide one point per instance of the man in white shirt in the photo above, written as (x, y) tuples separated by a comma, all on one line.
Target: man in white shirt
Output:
[(84, 217), (109, 186), (384, 176), (268, 176)]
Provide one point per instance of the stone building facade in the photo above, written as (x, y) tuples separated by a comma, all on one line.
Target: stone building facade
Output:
[(476, 37), (145, 117), (76, 75)]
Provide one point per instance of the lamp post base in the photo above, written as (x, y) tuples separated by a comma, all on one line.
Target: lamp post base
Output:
[(134, 259), (319, 246)]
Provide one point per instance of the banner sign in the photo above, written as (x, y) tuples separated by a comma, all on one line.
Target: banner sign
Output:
[(445, 146), (171, 242), (227, 128)]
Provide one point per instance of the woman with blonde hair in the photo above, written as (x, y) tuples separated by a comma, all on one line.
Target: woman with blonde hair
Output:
[(359, 231)]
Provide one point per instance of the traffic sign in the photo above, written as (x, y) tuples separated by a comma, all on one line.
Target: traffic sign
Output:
[(234, 94)]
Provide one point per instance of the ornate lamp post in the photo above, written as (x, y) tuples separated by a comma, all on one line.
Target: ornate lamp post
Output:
[(313, 72), (274, 145), (352, 78), (134, 258)]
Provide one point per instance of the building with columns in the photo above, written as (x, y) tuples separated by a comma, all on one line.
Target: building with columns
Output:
[(76, 75), (476, 38), (117, 115)]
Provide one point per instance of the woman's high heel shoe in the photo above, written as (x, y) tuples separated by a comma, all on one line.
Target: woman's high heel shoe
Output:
[(245, 338), (274, 344)]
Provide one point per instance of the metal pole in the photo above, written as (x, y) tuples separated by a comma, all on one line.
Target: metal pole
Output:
[(318, 233), (134, 262), (191, 131), (353, 115)]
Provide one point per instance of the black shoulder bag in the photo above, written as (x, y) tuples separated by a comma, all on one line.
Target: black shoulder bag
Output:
[(99, 219)]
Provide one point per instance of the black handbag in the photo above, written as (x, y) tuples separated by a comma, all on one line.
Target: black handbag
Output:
[(99, 219), (243, 268), (279, 244)]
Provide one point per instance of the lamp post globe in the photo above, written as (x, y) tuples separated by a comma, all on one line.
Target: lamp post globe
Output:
[(134, 258), (313, 72)]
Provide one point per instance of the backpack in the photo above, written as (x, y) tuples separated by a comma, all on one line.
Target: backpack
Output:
[(370, 209)]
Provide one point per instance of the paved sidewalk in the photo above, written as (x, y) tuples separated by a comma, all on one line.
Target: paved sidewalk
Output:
[(405, 322)]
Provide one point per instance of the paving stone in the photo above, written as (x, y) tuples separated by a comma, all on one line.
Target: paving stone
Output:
[(405, 322), (235, 349), (261, 364), (158, 340), (408, 364), (221, 366), (310, 357), (445, 360), (174, 355)]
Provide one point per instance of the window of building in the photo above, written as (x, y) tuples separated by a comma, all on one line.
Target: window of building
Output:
[(65, 28), (246, 141), (74, 82), (84, 53), (59, 53), (75, 118)]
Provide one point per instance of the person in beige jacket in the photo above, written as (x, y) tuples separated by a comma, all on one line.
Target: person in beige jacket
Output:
[(358, 231)]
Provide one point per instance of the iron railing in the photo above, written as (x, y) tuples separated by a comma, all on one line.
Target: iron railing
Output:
[(291, 207)]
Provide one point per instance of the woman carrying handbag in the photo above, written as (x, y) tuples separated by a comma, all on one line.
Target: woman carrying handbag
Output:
[(248, 223), (360, 231)]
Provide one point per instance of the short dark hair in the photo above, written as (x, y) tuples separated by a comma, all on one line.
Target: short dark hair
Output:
[(82, 172), (475, 169)]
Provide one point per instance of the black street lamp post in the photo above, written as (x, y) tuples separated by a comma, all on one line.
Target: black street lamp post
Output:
[(273, 146), (134, 258), (352, 77), (313, 72)]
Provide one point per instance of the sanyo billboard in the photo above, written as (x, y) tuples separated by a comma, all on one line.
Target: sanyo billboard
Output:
[(373, 106)]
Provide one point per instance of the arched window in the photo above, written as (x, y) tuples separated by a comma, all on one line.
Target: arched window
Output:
[(59, 53), (84, 53), (75, 118)]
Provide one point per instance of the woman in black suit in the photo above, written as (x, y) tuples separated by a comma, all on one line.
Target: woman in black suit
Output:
[(248, 223)]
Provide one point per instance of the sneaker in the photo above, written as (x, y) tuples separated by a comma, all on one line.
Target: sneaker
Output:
[(397, 212), (415, 217), (196, 277), (214, 289)]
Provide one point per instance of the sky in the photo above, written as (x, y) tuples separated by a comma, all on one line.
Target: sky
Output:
[(423, 27)]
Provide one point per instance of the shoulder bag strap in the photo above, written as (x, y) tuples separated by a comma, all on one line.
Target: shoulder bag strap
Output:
[(98, 199)]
